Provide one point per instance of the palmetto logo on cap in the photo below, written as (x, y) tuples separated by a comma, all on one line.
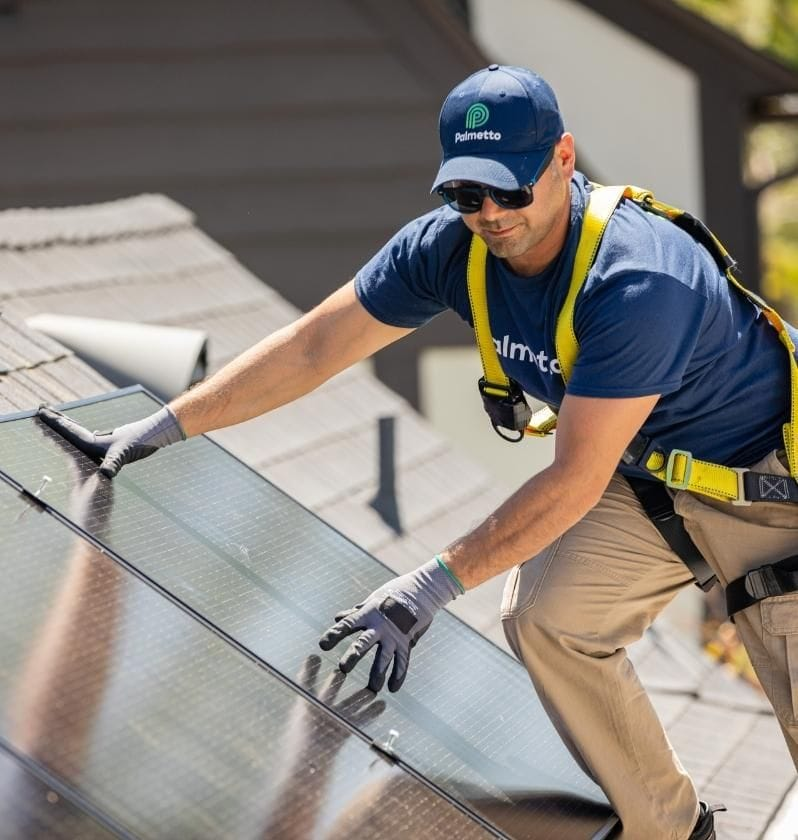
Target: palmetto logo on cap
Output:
[(477, 115)]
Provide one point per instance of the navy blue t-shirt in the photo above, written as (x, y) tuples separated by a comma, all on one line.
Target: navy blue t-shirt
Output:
[(655, 316)]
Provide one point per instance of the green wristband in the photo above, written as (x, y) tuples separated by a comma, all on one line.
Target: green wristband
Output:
[(451, 574)]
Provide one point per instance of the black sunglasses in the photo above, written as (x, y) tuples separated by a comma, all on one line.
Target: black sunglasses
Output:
[(467, 197)]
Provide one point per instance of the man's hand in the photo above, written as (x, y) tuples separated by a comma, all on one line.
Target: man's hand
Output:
[(393, 617), (127, 443)]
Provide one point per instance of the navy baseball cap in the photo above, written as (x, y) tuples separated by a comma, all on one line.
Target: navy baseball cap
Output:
[(496, 128)]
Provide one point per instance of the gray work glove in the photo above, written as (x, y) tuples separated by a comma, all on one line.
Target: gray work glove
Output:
[(122, 445), (393, 617)]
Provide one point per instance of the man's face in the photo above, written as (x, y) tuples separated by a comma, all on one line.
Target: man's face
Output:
[(530, 238)]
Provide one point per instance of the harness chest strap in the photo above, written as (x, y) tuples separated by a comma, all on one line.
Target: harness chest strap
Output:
[(678, 469)]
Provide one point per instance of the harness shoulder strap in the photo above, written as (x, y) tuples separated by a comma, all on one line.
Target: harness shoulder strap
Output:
[(601, 204), (496, 381)]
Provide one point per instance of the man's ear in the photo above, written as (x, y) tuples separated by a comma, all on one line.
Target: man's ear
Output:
[(565, 155)]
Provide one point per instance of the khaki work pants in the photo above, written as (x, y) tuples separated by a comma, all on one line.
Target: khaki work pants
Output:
[(570, 612)]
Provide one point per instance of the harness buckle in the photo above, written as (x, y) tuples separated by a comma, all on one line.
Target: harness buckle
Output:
[(740, 501), (762, 583), (633, 454), (669, 480)]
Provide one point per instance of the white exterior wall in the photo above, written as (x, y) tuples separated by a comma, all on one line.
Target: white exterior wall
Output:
[(450, 400), (634, 111)]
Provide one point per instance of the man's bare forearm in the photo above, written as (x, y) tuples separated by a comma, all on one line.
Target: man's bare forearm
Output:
[(269, 374), (288, 364), (592, 434), (539, 512)]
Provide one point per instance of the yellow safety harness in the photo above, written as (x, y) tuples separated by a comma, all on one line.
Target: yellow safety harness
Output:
[(504, 400)]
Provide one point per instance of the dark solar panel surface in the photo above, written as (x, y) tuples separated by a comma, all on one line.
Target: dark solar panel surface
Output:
[(271, 576), (30, 809), (161, 725)]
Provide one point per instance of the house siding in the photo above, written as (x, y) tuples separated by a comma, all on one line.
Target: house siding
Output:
[(281, 124)]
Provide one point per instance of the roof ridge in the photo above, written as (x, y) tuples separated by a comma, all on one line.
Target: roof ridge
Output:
[(27, 227), (111, 281)]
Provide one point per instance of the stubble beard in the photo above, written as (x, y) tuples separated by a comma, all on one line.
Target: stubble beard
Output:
[(514, 246)]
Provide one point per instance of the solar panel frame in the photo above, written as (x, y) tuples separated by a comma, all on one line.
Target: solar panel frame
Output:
[(93, 824), (409, 763)]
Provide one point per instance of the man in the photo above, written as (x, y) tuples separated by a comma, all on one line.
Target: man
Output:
[(667, 349)]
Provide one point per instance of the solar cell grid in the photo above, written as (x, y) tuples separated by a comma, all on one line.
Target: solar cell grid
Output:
[(271, 575), (160, 724)]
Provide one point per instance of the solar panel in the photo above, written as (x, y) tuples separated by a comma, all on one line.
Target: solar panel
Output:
[(268, 576), (160, 726)]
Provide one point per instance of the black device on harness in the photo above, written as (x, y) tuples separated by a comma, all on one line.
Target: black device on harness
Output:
[(507, 410)]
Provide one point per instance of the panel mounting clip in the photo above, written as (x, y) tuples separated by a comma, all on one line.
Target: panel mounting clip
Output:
[(387, 747)]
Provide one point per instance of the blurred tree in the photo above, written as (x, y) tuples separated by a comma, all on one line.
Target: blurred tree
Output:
[(772, 148), (772, 170), (767, 25)]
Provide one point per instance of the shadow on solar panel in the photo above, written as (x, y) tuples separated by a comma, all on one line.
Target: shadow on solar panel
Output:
[(160, 663)]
